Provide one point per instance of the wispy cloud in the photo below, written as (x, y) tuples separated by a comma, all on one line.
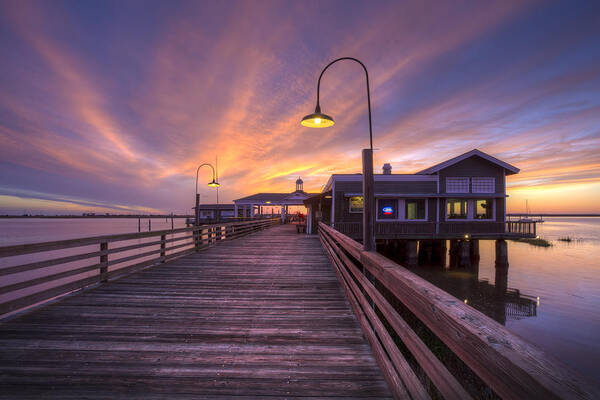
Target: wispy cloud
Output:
[(118, 105)]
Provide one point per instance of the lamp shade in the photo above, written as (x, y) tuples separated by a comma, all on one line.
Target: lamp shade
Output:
[(214, 183), (317, 120)]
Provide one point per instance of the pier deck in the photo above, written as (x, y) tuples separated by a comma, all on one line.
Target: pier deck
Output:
[(259, 316)]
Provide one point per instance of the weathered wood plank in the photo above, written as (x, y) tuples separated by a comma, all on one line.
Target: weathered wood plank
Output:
[(512, 367), (260, 316)]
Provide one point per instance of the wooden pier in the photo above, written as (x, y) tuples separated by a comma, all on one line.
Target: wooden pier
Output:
[(250, 310), (259, 316)]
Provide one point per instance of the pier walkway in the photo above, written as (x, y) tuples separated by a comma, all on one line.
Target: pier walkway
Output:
[(263, 315)]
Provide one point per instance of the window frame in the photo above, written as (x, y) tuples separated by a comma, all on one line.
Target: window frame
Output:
[(446, 216), (350, 206), (481, 178), (493, 211), (401, 209), (396, 200), (405, 218), (468, 183)]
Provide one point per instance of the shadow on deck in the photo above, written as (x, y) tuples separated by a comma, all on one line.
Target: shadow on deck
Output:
[(263, 315)]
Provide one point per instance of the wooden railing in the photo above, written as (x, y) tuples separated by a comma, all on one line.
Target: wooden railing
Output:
[(510, 366), (30, 283)]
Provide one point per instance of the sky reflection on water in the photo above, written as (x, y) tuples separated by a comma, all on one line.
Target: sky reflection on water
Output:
[(565, 321)]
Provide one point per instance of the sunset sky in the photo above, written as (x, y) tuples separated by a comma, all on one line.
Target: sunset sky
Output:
[(111, 106)]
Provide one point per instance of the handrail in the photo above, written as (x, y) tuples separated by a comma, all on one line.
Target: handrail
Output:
[(510, 366), (189, 240)]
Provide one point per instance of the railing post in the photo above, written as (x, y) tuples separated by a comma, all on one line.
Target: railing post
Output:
[(163, 244), (104, 263)]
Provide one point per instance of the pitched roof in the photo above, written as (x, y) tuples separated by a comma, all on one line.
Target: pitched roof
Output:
[(510, 169), (265, 196), (215, 206)]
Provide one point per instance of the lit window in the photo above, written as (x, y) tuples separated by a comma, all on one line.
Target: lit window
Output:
[(356, 204), (415, 209), (457, 185), (483, 185), (457, 209), (387, 209), (483, 209)]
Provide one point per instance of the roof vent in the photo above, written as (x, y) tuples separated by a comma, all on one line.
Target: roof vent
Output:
[(387, 169)]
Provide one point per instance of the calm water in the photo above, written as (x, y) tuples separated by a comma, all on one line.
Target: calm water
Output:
[(565, 321), (553, 299), (31, 230)]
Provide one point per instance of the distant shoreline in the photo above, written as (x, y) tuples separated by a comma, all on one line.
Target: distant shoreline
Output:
[(99, 216), (191, 216), (552, 215)]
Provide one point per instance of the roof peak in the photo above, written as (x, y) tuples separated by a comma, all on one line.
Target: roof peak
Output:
[(475, 152)]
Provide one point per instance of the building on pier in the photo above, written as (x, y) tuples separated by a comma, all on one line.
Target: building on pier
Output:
[(251, 206), (465, 195)]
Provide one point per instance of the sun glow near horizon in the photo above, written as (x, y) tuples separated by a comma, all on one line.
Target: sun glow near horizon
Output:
[(116, 113)]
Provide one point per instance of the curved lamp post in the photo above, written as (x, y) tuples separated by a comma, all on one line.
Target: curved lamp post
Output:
[(320, 120), (212, 183)]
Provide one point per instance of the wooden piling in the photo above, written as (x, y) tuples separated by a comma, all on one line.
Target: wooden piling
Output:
[(369, 201)]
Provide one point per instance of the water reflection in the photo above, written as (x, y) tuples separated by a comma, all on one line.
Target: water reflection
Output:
[(451, 272)]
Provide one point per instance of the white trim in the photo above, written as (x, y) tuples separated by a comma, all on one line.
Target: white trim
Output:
[(467, 178), (493, 210), (470, 210), (350, 208), (387, 219), (473, 178), (454, 219), (474, 152)]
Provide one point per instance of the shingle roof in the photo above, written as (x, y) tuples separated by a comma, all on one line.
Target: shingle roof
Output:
[(273, 197)]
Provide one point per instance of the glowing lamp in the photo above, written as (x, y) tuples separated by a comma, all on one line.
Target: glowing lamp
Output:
[(317, 119), (268, 202), (466, 235), (214, 183)]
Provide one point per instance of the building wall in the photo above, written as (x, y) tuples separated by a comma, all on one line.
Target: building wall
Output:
[(473, 166), (342, 204)]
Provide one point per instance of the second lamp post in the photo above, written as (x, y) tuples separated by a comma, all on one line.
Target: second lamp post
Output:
[(212, 183)]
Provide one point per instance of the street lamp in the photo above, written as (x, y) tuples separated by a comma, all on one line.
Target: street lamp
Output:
[(320, 120), (212, 183)]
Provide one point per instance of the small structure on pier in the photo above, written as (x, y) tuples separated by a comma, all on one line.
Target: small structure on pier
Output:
[(215, 211), (253, 205)]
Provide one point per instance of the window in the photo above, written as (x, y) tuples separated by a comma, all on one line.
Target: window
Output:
[(457, 185), (387, 209), (356, 204), (457, 209), (414, 209), (483, 209), (483, 185)]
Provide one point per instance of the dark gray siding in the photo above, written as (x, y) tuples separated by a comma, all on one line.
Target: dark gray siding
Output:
[(473, 166), (342, 205)]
